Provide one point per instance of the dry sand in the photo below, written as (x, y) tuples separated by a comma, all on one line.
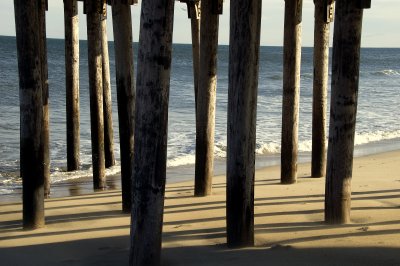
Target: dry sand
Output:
[(289, 228)]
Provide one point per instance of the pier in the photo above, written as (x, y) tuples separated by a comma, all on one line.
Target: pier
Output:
[(143, 107)]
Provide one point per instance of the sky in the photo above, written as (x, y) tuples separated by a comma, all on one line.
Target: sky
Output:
[(380, 24)]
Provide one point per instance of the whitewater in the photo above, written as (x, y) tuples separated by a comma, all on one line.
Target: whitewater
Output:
[(377, 128)]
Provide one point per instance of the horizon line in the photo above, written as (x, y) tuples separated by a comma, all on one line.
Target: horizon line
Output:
[(223, 44)]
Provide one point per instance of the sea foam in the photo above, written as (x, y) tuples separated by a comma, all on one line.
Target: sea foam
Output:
[(364, 138), (388, 72)]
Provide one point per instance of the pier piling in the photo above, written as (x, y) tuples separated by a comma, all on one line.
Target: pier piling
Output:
[(323, 16), (71, 24), (291, 90), (31, 112), (195, 15), (206, 97), (124, 69), (150, 153), (45, 96), (242, 108), (345, 80), (107, 103), (93, 11)]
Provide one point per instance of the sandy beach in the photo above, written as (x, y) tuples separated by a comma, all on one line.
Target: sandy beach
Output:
[(289, 229)]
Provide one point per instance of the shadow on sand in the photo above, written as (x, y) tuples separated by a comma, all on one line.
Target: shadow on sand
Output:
[(115, 251), (99, 250)]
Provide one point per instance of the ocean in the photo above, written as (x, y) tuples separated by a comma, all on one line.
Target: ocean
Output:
[(377, 128)]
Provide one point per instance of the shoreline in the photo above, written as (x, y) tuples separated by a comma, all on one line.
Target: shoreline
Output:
[(185, 173), (89, 229)]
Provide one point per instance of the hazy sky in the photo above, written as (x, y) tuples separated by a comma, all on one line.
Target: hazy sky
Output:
[(380, 27)]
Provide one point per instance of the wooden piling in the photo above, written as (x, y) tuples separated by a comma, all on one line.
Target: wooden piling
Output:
[(45, 96), (242, 109), (291, 90), (93, 10), (345, 78), (323, 16), (71, 23), (124, 70), (107, 103), (150, 154), (194, 13), (31, 112), (205, 113)]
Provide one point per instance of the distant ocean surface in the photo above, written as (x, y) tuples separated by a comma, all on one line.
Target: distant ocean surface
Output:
[(377, 129)]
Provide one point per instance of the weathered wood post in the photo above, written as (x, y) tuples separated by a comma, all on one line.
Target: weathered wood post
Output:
[(291, 90), (242, 109), (94, 9), (345, 78), (206, 96), (150, 154), (71, 23), (193, 7), (124, 69), (45, 96), (31, 112), (107, 104), (323, 16)]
